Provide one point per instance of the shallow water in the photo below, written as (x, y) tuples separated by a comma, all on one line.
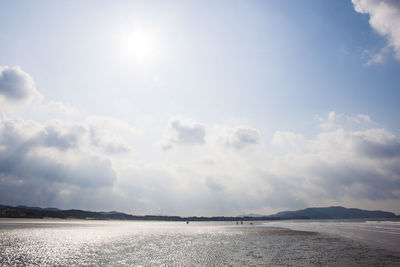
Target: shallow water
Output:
[(383, 234), (123, 243)]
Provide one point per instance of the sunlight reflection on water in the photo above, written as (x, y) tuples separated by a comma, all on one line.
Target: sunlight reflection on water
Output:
[(123, 243)]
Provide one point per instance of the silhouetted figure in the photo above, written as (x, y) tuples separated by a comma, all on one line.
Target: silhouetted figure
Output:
[(187, 222)]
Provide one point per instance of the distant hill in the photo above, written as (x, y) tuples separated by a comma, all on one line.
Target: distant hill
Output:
[(252, 215), (37, 208), (334, 213), (310, 213), (37, 212)]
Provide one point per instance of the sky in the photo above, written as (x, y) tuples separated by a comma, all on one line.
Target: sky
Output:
[(200, 107)]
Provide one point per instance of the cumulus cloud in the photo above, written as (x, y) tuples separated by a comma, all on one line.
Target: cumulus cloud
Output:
[(213, 184), (32, 151), (56, 161), (54, 164), (56, 134), (17, 85), (385, 20), (57, 109), (183, 132), (282, 193), (377, 143), (357, 164), (41, 192), (358, 180), (343, 161), (79, 165), (374, 142), (335, 120), (288, 140), (241, 137), (109, 144), (336, 164), (331, 166), (108, 134), (27, 134)]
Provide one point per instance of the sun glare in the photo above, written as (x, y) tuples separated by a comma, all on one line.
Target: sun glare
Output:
[(138, 45)]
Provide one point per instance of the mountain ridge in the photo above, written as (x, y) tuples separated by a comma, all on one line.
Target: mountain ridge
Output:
[(335, 212), (332, 212)]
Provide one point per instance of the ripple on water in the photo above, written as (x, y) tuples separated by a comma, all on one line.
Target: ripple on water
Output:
[(116, 243)]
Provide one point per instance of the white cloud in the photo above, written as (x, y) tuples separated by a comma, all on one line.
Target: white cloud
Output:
[(376, 143), (57, 109), (335, 120), (335, 165), (241, 137), (288, 140), (377, 58), (109, 133), (385, 20), (182, 131), (354, 164), (16, 85), (50, 153), (213, 184), (87, 164), (113, 124)]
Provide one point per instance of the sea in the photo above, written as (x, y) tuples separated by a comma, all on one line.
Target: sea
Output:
[(51, 242)]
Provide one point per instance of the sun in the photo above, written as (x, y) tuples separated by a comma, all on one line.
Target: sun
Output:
[(139, 45)]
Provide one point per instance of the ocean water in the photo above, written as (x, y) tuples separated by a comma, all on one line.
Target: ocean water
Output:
[(139, 243)]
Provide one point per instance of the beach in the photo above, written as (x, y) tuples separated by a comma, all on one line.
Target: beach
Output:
[(140, 243)]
